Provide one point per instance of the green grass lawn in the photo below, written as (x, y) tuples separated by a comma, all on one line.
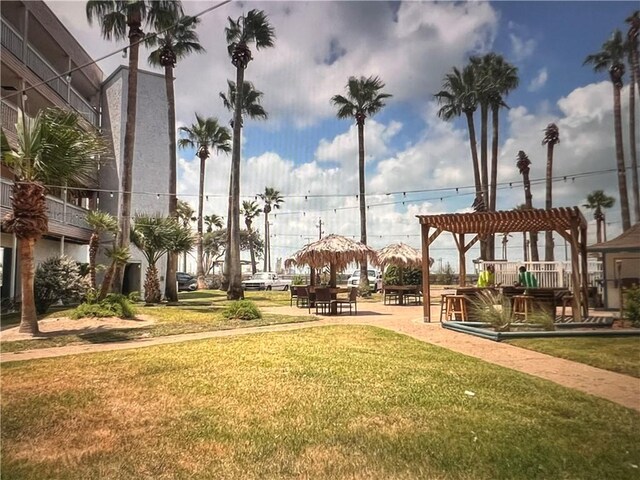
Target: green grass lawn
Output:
[(326, 403), (621, 354), (196, 312)]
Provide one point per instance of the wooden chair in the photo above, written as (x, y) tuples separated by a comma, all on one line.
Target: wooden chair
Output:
[(456, 307), (443, 306), (522, 306), (413, 296), (567, 301), (294, 295), (323, 300), (390, 296), (352, 300), (302, 297)]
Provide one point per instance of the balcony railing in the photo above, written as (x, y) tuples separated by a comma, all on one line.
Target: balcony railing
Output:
[(12, 41), (9, 117)]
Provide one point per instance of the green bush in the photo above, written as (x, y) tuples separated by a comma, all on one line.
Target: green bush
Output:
[(134, 297), (114, 305), (242, 310), (632, 305), (58, 279), (298, 280), (410, 276)]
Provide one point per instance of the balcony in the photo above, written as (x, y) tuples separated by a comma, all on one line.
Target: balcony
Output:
[(13, 42)]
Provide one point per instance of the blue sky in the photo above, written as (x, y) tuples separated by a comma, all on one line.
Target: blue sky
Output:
[(304, 150)]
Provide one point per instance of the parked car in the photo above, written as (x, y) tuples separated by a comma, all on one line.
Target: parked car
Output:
[(266, 281), (186, 282), (375, 279)]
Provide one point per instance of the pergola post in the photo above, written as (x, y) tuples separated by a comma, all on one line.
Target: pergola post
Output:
[(576, 307), (461, 260), (584, 276), (426, 286)]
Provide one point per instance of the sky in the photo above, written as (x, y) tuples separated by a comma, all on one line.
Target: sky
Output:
[(414, 160)]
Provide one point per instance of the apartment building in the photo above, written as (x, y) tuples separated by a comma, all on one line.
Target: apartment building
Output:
[(36, 49)]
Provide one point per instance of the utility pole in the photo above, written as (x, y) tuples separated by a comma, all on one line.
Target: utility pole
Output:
[(320, 232)]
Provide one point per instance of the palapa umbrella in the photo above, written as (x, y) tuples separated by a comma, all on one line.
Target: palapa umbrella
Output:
[(337, 252), (402, 256)]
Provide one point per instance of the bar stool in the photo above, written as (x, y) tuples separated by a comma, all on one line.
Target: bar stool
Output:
[(456, 306), (522, 305), (567, 301), (443, 305)]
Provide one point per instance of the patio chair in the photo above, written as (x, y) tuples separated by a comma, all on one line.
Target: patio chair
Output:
[(413, 297), (294, 295), (302, 297), (352, 300), (323, 300), (390, 296)]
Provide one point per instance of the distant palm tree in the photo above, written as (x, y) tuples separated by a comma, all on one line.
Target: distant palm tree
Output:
[(632, 50), (176, 40), (100, 222), (185, 216), (205, 135), (611, 58), (251, 28), (211, 221), (272, 199), (596, 201), (364, 99), (251, 210), (551, 139), (119, 20), (525, 254), (523, 166), (52, 149)]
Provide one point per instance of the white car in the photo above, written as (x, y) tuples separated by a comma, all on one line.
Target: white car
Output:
[(375, 279), (266, 281)]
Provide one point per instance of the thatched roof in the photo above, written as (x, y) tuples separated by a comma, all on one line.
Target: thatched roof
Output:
[(400, 255), (334, 250), (629, 241)]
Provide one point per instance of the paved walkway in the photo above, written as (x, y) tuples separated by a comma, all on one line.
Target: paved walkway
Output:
[(618, 388)]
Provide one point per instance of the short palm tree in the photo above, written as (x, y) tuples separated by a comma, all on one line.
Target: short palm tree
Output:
[(52, 149), (596, 201), (523, 163), (100, 222), (632, 52), (185, 217), (119, 20), (155, 236), (611, 58), (251, 210), (272, 199), (364, 99), (176, 40), (211, 221), (119, 257), (205, 135), (252, 28), (551, 139)]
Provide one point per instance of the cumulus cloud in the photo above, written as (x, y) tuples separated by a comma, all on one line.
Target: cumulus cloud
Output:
[(539, 80), (521, 48)]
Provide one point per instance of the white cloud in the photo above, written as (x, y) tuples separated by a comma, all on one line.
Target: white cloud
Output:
[(521, 48), (539, 80)]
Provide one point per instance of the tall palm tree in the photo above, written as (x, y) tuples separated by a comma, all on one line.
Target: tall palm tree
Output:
[(272, 199), (121, 19), (119, 257), (523, 163), (251, 210), (177, 39), (155, 236), (632, 51), (52, 149), (364, 99), (211, 221), (596, 201), (525, 255), (551, 139), (205, 135), (611, 58), (100, 222), (185, 216), (252, 28)]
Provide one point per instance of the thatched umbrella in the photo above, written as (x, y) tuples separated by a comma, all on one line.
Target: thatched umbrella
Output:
[(337, 252), (402, 256)]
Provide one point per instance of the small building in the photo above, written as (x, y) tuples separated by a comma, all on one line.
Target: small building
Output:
[(621, 265)]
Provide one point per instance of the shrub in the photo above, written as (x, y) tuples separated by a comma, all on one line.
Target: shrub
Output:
[(58, 279), (114, 305), (410, 276), (134, 297), (632, 305), (298, 280), (493, 309), (242, 310)]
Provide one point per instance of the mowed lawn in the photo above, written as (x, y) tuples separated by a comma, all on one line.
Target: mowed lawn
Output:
[(324, 403)]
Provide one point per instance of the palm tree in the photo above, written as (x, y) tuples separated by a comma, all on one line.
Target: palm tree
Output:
[(100, 222), (121, 19), (52, 149), (185, 216), (251, 28), (251, 210), (155, 236), (611, 58), (205, 134), (211, 221), (119, 257), (551, 139), (176, 41), (364, 99), (632, 51), (272, 199), (596, 201), (523, 166)]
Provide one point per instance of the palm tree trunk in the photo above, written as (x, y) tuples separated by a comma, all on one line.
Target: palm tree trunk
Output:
[(254, 269), (224, 284), (622, 174), (528, 200), (94, 243), (152, 285), (200, 265), (107, 281), (135, 34), (234, 291), (266, 241), (548, 239), (598, 227), (364, 277), (484, 119), (632, 143), (474, 153), (28, 316), (170, 288), (494, 174)]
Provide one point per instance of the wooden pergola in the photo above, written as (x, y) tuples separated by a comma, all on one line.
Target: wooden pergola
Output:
[(567, 222)]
